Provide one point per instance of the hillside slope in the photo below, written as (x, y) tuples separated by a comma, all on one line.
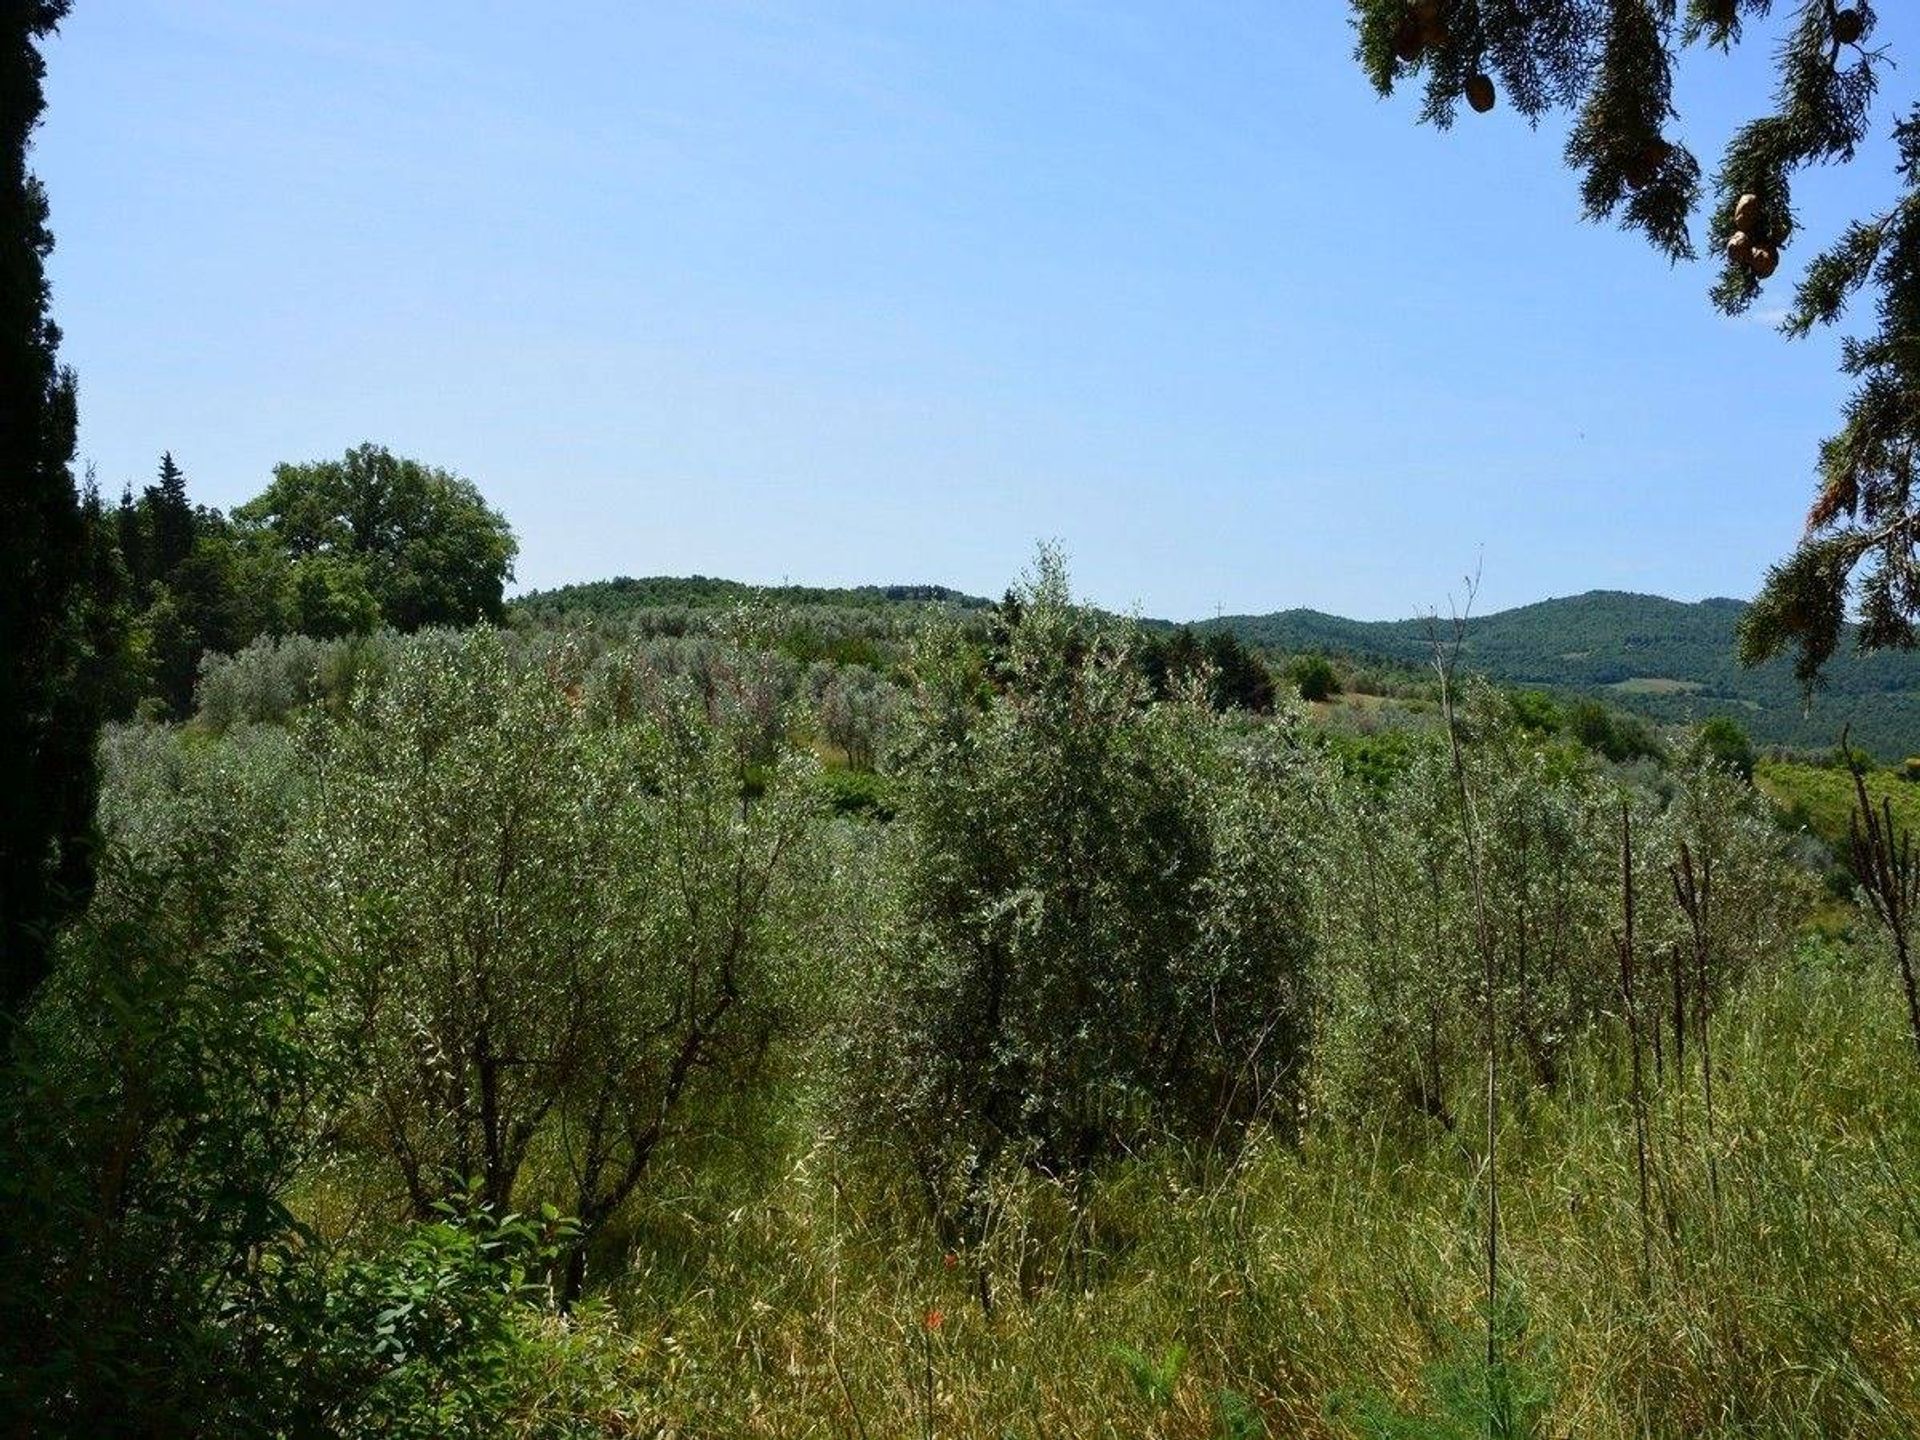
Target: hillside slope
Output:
[(1669, 660), (1666, 659)]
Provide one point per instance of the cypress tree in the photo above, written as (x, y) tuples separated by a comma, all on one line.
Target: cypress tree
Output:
[(1611, 64), (46, 728)]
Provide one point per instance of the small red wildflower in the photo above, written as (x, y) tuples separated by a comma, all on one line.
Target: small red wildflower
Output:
[(950, 1260), (936, 1317)]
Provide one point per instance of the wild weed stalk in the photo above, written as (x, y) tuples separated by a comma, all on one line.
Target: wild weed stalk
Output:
[(1446, 658), (1883, 862), (1630, 1009)]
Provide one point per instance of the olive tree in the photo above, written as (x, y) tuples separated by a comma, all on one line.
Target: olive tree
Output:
[(553, 923), (1096, 932), (1405, 980)]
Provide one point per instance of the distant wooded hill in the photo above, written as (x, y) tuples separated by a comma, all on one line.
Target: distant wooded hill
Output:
[(1670, 661), (622, 596), (1665, 659)]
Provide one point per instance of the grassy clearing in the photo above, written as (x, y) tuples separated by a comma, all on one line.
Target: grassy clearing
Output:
[(1822, 798), (1655, 685)]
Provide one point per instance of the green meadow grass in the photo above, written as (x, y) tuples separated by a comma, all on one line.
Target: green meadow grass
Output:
[(1332, 1287), (1823, 797)]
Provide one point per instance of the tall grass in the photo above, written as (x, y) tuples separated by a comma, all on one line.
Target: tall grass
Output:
[(1332, 1287)]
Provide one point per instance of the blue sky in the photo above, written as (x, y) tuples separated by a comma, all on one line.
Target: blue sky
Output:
[(837, 292)]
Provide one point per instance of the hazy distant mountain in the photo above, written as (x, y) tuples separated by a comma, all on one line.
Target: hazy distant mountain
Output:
[(1663, 658)]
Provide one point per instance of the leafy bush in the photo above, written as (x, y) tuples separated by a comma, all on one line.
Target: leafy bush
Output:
[(1536, 711), (1608, 732), (1098, 932), (428, 1337), (859, 792), (1725, 742), (177, 1074), (1314, 677)]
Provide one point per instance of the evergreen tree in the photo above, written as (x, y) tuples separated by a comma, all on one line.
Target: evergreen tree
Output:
[(1241, 680), (111, 669), (1612, 63), (47, 725), (130, 527), (171, 519)]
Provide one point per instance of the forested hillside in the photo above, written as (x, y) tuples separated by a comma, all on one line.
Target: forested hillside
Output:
[(611, 599), (1671, 661)]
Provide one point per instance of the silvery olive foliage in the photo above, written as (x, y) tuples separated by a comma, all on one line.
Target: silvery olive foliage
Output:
[(856, 711), (272, 677), (1403, 981), (556, 913), (418, 960), (1095, 930)]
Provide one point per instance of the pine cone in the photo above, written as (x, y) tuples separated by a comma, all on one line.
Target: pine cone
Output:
[(1480, 94), (1407, 41)]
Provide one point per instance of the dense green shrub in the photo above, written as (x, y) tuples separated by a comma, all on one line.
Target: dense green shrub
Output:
[(178, 1073), (1097, 933), (1537, 711), (428, 1337), (1314, 677), (1724, 741), (1610, 733), (859, 792)]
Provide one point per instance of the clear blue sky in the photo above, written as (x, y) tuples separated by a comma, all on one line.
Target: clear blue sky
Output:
[(838, 292)]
